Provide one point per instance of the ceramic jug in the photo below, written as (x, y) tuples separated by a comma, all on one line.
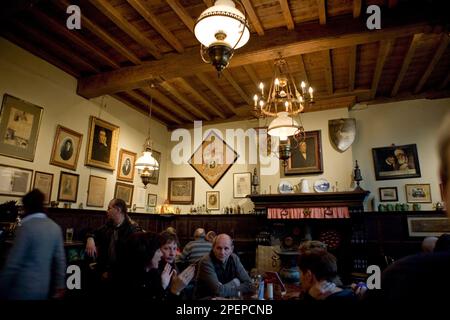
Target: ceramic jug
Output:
[(304, 185)]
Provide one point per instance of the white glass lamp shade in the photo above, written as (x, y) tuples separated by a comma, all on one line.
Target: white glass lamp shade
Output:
[(222, 18), (283, 126), (147, 161)]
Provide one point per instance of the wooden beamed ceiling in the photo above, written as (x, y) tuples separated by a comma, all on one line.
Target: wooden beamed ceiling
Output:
[(138, 51)]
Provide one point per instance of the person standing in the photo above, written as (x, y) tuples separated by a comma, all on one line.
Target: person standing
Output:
[(36, 266)]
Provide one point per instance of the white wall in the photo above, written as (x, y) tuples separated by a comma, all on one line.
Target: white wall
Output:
[(400, 123), (34, 80)]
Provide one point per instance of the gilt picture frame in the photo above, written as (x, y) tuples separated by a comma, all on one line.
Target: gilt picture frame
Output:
[(66, 148), (306, 156), (181, 190), (124, 191), (68, 187), (43, 181), (125, 167), (418, 193), (96, 191), (212, 200)]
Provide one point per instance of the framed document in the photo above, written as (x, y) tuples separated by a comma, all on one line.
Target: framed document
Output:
[(181, 190), (43, 181), (124, 191), (96, 191), (242, 184), (15, 181), (68, 187)]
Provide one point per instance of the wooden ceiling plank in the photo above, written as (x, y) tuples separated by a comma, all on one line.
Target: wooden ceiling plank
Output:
[(328, 72), (168, 103), (443, 43), (75, 37), (332, 103), (56, 47), (287, 14), (115, 16), (157, 24), (124, 100), (211, 86), (98, 31), (158, 109), (173, 91), (303, 73), (352, 68), (203, 99), (252, 75), (356, 8), (406, 62), (253, 17), (43, 54), (188, 64), (182, 13), (229, 77), (322, 6), (445, 82), (385, 49)]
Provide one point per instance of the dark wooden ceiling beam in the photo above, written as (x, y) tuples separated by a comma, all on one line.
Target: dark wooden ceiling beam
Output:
[(322, 6), (352, 68), (143, 10), (406, 62), (182, 13), (252, 75), (356, 8), (287, 14), (383, 53), (109, 11), (104, 36), (443, 43), (193, 108), (253, 17), (328, 71), (229, 77), (271, 46), (211, 86), (445, 81), (212, 107), (75, 37)]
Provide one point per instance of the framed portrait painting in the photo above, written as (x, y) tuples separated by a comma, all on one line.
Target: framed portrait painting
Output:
[(396, 162), (96, 191), (68, 187), (388, 194), (102, 144), (124, 191), (15, 181), (152, 200), (213, 158), (19, 128), (212, 200), (242, 184), (306, 155), (66, 148), (43, 181), (125, 168), (181, 190), (418, 193)]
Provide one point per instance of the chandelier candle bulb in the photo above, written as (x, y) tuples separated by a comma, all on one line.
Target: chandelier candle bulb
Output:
[(261, 86), (255, 98)]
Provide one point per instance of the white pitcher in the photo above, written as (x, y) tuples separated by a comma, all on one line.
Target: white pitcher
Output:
[(304, 185)]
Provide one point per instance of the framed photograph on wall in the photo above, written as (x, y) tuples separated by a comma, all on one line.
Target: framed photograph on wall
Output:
[(418, 193), (124, 191), (152, 200), (68, 187), (212, 200), (102, 144), (43, 181), (96, 191), (15, 181), (396, 162), (306, 155), (66, 148), (242, 184), (181, 190), (19, 128), (125, 168), (428, 226), (388, 194), (213, 158)]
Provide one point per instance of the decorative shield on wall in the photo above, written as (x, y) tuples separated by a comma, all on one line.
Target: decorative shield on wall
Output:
[(213, 158), (342, 133)]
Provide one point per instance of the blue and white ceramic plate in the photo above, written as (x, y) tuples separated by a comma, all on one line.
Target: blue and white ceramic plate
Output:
[(321, 185), (285, 187)]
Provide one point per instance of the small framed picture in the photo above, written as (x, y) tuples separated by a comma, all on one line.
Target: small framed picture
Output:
[(388, 194), (66, 148), (43, 181), (68, 187), (124, 191), (15, 181), (242, 184), (212, 200), (428, 226), (181, 190), (96, 191), (125, 169), (152, 200), (418, 193)]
